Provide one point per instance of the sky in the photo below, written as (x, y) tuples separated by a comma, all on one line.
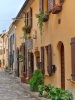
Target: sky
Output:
[(8, 10)]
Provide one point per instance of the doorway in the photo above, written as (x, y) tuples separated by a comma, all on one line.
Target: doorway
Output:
[(62, 67)]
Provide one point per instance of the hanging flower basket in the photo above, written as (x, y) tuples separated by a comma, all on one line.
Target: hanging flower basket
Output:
[(42, 16), (27, 29), (56, 9), (46, 18)]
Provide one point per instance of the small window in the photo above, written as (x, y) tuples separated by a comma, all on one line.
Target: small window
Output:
[(41, 5), (50, 5)]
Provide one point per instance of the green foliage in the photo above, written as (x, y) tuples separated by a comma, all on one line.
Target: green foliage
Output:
[(24, 29), (6, 67), (36, 80), (55, 93), (43, 87), (59, 94), (22, 59), (41, 17), (15, 69)]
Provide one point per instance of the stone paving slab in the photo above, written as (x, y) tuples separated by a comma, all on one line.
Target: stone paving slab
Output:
[(11, 88)]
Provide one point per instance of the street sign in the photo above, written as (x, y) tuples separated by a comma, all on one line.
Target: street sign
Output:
[(29, 44)]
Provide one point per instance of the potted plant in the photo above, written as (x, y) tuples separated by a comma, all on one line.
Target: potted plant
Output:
[(26, 29), (41, 89), (56, 8), (36, 80), (42, 17)]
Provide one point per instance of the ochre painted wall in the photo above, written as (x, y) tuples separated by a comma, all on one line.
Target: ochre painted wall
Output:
[(53, 33)]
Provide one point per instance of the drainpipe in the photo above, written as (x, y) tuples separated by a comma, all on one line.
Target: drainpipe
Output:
[(15, 56)]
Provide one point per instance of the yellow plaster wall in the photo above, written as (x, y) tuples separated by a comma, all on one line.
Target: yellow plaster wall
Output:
[(19, 32), (52, 34)]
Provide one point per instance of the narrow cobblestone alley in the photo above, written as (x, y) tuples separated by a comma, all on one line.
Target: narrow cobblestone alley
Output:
[(11, 89)]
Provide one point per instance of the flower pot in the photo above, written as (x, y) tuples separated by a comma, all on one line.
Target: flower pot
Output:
[(46, 18), (56, 9), (23, 79), (28, 30), (26, 80)]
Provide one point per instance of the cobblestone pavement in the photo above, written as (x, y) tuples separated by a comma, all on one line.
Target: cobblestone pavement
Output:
[(12, 89)]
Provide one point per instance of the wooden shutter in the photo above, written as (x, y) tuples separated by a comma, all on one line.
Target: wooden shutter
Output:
[(73, 57), (41, 5), (30, 17), (49, 60), (23, 54), (26, 18), (42, 60), (50, 5), (25, 59)]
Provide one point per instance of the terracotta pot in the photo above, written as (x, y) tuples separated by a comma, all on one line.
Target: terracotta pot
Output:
[(56, 9), (46, 18), (28, 30), (23, 79)]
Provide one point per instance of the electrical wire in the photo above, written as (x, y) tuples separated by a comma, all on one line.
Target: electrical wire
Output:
[(23, 18)]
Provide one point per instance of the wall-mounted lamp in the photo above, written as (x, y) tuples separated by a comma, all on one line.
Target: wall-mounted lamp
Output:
[(53, 68)]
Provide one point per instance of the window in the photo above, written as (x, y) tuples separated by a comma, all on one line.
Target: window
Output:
[(50, 5), (41, 5), (28, 18)]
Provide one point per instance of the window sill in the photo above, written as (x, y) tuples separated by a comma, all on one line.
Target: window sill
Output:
[(70, 80)]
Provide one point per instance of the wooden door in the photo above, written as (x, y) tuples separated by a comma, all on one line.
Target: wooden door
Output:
[(62, 68), (30, 64)]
